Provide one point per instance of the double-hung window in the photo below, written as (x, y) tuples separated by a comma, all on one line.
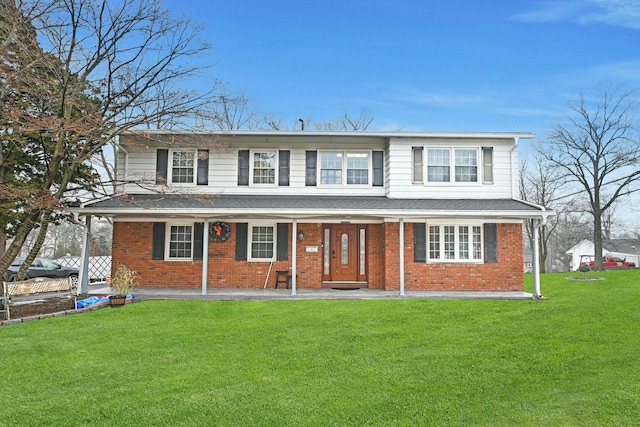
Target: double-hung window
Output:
[(447, 165), (264, 167), (345, 168), (438, 165), (466, 164), (455, 243), (180, 242), (262, 243), (182, 167)]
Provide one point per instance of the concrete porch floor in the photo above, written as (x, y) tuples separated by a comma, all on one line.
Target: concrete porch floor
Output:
[(285, 294)]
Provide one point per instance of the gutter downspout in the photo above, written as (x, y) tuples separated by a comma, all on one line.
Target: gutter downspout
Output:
[(514, 173)]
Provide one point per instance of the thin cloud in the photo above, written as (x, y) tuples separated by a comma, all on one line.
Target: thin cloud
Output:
[(621, 13), (551, 12), (440, 100)]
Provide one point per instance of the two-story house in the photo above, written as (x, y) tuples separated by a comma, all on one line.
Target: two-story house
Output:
[(381, 210)]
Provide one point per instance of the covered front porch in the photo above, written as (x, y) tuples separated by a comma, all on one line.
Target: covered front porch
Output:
[(324, 242)]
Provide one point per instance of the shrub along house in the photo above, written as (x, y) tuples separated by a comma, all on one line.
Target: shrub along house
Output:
[(392, 211)]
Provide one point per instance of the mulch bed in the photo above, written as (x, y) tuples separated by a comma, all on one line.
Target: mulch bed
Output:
[(41, 307)]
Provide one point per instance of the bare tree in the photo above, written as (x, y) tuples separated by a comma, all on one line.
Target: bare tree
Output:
[(540, 185), (101, 69), (598, 150), (346, 123)]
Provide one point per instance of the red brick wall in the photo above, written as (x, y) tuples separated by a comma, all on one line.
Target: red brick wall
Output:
[(132, 246), (505, 275)]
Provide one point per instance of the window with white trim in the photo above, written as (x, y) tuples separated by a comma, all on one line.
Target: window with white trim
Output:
[(487, 165), (438, 168), (416, 164), (183, 167), (453, 243), (466, 165), (264, 167), (180, 242), (448, 165), (344, 168), (262, 242)]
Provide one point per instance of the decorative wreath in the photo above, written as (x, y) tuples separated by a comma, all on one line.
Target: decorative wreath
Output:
[(219, 231)]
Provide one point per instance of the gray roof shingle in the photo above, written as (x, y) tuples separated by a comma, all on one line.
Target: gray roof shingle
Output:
[(321, 204)]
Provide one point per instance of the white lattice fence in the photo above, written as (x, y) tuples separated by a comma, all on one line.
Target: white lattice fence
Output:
[(99, 266)]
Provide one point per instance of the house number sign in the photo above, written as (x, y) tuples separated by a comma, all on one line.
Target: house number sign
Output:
[(219, 231)]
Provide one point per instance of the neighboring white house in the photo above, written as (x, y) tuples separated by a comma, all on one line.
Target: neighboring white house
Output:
[(628, 249)]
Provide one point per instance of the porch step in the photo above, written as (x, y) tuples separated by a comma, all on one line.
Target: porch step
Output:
[(345, 285)]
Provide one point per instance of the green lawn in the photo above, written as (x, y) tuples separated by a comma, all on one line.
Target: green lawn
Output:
[(573, 360)]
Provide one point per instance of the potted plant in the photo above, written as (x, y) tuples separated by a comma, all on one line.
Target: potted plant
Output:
[(122, 282)]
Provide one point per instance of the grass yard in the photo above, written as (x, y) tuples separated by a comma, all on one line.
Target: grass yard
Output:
[(573, 360)]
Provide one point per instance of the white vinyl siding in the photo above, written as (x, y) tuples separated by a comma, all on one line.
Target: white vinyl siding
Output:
[(140, 172), (402, 164)]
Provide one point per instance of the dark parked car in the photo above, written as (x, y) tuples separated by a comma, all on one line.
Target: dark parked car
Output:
[(42, 267)]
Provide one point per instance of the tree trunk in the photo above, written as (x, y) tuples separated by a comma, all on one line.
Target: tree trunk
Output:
[(597, 239), (33, 253), (14, 248)]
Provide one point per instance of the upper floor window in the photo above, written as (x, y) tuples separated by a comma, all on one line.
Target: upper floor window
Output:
[(182, 167), (466, 164), (344, 168), (438, 165), (263, 167), (487, 165), (263, 170), (448, 165), (416, 161)]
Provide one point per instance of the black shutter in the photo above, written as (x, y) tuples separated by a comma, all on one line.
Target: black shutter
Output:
[(243, 167), (419, 242), (490, 243), (283, 242), (242, 231), (198, 237), (283, 172), (162, 163), (203, 167), (378, 168), (157, 245), (312, 157)]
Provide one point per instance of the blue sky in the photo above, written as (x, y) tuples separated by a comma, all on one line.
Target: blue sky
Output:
[(455, 65)]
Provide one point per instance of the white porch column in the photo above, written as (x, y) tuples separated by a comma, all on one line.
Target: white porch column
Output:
[(294, 258), (83, 279), (401, 232), (535, 254), (205, 255)]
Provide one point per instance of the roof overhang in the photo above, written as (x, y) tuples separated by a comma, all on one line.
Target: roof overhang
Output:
[(153, 206)]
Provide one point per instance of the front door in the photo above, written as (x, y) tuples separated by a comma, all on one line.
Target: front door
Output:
[(344, 253)]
